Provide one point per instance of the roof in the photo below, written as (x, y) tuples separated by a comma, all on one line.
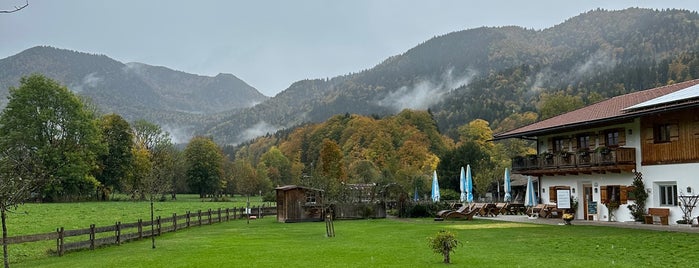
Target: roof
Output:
[(291, 187), (618, 108)]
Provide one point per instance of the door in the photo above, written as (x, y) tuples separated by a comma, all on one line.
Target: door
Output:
[(587, 200)]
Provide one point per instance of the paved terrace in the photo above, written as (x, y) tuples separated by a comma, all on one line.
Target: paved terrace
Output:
[(685, 228)]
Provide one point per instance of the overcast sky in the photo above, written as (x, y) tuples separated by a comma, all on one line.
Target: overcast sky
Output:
[(270, 44)]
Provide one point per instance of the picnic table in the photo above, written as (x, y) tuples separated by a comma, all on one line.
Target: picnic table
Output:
[(516, 209)]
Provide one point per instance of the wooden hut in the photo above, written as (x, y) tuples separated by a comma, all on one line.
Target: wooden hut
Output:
[(299, 204)]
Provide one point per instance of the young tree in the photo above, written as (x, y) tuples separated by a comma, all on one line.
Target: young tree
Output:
[(444, 243), (204, 166)]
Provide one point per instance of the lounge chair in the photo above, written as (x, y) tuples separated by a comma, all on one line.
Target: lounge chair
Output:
[(466, 212)]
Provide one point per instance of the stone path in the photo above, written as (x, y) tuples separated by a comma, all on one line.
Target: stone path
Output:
[(634, 225)]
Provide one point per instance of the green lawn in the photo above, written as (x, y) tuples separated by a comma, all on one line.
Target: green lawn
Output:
[(391, 243)]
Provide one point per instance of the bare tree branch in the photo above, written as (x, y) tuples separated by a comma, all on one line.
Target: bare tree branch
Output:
[(16, 8)]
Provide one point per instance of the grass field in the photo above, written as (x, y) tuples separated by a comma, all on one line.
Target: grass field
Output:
[(389, 243)]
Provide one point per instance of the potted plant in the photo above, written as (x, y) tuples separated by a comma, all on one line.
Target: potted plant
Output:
[(568, 217)]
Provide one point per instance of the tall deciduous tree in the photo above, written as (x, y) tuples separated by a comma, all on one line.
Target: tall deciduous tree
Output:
[(278, 166), (116, 163), (46, 139), (48, 121), (204, 166)]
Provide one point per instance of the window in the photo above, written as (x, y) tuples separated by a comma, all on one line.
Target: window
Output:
[(310, 197), (559, 145), (583, 142), (661, 133), (614, 194), (668, 195), (611, 138)]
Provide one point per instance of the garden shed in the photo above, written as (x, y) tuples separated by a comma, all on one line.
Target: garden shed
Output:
[(299, 204)]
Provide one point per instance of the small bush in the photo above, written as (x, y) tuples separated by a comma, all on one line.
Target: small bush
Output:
[(444, 242)]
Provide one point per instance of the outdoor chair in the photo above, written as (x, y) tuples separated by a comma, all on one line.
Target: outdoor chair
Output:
[(466, 212)]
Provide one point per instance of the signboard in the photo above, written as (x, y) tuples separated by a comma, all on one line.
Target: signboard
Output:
[(591, 207), (563, 198)]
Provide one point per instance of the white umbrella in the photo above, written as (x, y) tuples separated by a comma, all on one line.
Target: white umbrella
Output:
[(462, 185), (530, 197), (508, 195), (435, 188), (469, 185)]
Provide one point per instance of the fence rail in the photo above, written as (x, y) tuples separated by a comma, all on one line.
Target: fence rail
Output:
[(71, 240)]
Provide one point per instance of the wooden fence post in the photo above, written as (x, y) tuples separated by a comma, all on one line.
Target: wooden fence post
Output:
[(158, 224), (235, 213), (199, 216), (228, 215), (59, 241), (92, 236), (140, 229), (174, 222), (219, 214), (117, 232), (209, 216), (187, 219), (259, 212)]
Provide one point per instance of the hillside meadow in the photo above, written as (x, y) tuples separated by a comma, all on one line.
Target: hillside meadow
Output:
[(369, 243)]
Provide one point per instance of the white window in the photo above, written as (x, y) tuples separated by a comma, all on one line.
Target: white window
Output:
[(668, 195)]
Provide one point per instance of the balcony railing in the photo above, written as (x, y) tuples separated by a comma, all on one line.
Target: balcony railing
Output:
[(587, 162)]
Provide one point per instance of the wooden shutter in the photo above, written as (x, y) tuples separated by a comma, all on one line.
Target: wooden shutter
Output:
[(674, 132), (623, 194), (648, 135), (552, 194), (602, 138), (622, 137), (603, 194), (550, 144)]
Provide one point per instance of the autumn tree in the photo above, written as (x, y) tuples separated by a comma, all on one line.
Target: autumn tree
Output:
[(248, 182), (204, 166), (116, 163), (330, 172), (277, 165), (558, 103)]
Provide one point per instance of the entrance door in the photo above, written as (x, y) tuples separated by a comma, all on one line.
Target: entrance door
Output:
[(587, 198)]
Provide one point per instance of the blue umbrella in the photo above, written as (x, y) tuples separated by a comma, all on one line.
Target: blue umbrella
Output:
[(435, 188), (508, 196), (469, 185), (416, 197), (530, 197), (462, 185)]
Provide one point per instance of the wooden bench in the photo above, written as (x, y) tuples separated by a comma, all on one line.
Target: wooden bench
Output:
[(661, 213)]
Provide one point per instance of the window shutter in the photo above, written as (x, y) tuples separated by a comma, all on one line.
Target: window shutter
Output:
[(552, 194), (623, 195), (622, 137), (674, 132), (648, 135), (601, 138), (603, 194), (550, 144)]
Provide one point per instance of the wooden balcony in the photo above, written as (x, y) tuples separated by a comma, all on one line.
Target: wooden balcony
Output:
[(613, 161)]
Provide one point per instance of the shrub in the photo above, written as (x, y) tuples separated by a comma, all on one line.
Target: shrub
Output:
[(444, 242)]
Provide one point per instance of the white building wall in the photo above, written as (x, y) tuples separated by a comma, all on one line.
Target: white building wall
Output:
[(682, 175)]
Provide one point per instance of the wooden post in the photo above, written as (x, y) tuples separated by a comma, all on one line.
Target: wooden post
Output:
[(259, 212), (59, 241), (209, 216), (117, 233), (188, 218), (92, 236), (159, 226), (219, 214), (228, 215), (174, 222), (199, 216), (235, 213), (140, 229)]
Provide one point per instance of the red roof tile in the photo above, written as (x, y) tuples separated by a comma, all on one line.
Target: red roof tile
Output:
[(599, 112)]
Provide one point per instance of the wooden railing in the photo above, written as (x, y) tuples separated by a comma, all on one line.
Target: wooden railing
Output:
[(92, 237), (613, 160)]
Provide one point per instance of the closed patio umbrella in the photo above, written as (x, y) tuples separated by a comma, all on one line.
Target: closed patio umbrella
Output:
[(530, 197), (462, 185), (508, 190), (435, 188), (469, 185)]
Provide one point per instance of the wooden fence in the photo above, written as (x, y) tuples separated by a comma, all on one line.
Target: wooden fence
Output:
[(92, 237)]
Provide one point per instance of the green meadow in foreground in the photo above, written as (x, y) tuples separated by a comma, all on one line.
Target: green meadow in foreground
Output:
[(390, 243)]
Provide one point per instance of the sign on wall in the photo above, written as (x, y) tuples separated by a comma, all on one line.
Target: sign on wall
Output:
[(563, 198)]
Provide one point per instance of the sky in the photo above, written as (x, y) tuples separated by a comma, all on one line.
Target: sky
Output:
[(271, 44)]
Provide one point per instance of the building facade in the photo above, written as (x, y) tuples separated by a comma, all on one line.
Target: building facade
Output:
[(596, 152)]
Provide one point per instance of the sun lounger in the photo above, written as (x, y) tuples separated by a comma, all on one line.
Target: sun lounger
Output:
[(466, 212)]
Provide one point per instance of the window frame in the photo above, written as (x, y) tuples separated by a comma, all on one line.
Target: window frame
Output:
[(665, 200), (662, 133), (612, 137)]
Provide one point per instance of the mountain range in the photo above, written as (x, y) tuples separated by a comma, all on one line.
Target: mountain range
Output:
[(491, 73)]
